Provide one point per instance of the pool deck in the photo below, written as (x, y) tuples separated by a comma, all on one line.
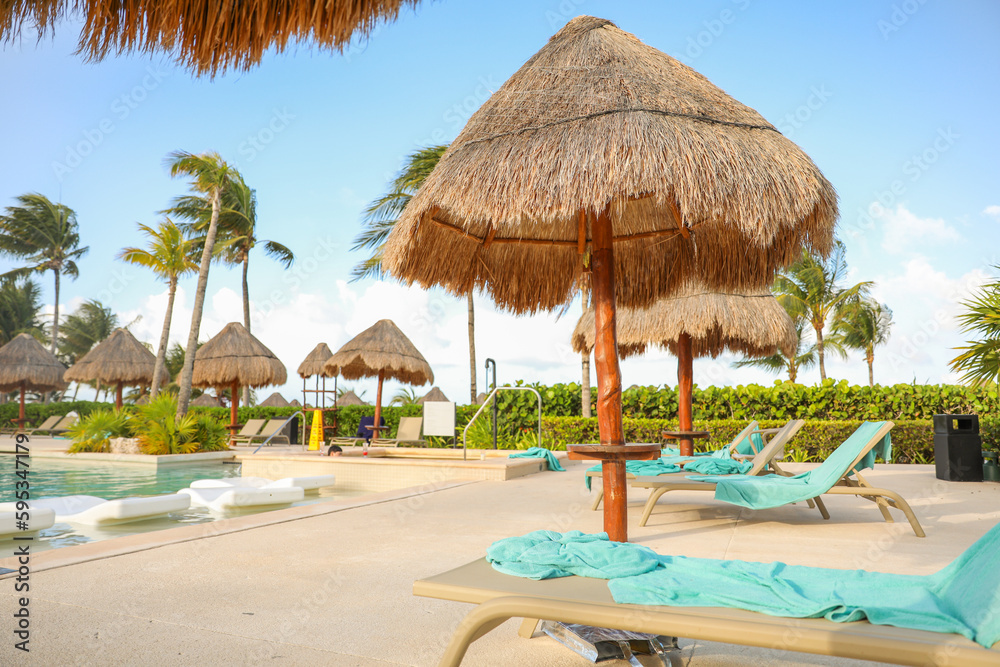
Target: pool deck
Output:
[(331, 584)]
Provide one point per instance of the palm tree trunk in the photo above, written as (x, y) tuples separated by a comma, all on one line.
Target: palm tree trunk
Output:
[(184, 393), (819, 351), (76, 391), (585, 385), (161, 352), (472, 352), (55, 318), (246, 314), (870, 358)]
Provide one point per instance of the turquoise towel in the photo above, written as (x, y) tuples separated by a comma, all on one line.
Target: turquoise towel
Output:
[(961, 598), (749, 445), (767, 491), (539, 453), (640, 469), (665, 465)]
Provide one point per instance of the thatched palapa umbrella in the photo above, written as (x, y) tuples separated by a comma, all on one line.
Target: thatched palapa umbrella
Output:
[(384, 351), (117, 360), (234, 359), (602, 154), (207, 37), (314, 365), (697, 323), (25, 364), (275, 400), (349, 398), (206, 400), (434, 394)]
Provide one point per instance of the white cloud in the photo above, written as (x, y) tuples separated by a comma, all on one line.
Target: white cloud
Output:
[(992, 211), (902, 230)]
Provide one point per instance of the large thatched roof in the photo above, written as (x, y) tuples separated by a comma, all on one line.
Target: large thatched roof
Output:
[(752, 323), (275, 400), (234, 355), (314, 363), (23, 359), (381, 347), (696, 184), (117, 358), (349, 398), (203, 35), (434, 394)]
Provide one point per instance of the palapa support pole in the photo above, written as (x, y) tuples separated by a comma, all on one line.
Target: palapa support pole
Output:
[(378, 405), (609, 379), (20, 410), (685, 385), (118, 396), (234, 404)]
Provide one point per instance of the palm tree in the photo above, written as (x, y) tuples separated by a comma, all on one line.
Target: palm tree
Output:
[(170, 255), (237, 233), (20, 303), (810, 288), (210, 175), (84, 328), (803, 359), (381, 216), (46, 236), (979, 360), (863, 325), (405, 396)]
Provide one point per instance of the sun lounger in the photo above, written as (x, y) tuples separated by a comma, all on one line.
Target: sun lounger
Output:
[(407, 433), (46, 426), (54, 425), (67, 422), (585, 600), (248, 432), (271, 431), (39, 518), (364, 433), (839, 475)]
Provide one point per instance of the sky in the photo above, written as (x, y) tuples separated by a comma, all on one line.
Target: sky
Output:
[(895, 101)]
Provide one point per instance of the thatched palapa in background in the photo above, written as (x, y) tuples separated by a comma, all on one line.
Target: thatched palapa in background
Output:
[(26, 365), (119, 360), (206, 36), (315, 363), (349, 398), (275, 400), (433, 395)]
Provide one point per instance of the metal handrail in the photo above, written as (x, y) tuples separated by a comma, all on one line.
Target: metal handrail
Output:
[(486, 402), (295, 414)]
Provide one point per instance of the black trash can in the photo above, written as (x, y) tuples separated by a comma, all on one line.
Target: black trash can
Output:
[(958, 449)]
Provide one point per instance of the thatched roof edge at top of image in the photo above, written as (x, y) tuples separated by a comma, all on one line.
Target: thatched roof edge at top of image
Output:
[(696, 184), (382, 347), (752, 323), (23, 358), (204, 36), (234, 354)]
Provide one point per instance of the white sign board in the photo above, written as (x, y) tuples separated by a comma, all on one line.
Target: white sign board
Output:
[(439, 418)]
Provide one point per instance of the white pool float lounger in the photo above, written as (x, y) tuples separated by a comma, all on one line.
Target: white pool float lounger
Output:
[(95, 511), (39, 518), (307, 484), (227, 497)]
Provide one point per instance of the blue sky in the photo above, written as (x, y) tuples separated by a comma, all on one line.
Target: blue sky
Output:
[(895, 101)]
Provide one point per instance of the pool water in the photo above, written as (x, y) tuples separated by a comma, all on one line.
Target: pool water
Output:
[(49, 478)]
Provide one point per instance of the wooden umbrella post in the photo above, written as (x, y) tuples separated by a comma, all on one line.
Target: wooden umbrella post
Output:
[(20, 410), (378, 405), (118, 396), (685, 385), (234, 404)]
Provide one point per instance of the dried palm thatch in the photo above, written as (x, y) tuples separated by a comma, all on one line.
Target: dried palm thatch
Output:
[(206, 36), (696, 185), (382, 348), (23, 359), (235, 356), (314, 363), (206, 400), (434, 394), (752, 323), (119, 358), (349, 398), (275, 400)]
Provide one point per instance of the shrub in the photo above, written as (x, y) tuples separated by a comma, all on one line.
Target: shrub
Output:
[(159, 430), (210, 434), (93, 432)]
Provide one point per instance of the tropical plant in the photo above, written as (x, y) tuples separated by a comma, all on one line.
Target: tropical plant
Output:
[(979, 360), (210, 175), (864, 324), (237, 233), (84, 328), (381, 216), (804, 357), (405, 396), (45, 235), (170, 255), (20, 304), (161, 430), (93, 432), (810, 288), (211, 435)]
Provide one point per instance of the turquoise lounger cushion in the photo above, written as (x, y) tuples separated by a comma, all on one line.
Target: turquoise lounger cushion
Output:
[(767, 491), (539, 453), (704, 465), (961, 598)]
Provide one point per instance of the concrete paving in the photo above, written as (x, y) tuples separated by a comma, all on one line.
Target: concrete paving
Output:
[(331, 583)]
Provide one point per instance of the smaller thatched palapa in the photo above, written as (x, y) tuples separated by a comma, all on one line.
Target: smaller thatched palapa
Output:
[(234, 355), (206, 400), (752, 323), (119, 358), (434, 395), (382, 348), (295, 403), (315, 363), (23, 359), (275, 400), (349, 398)]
